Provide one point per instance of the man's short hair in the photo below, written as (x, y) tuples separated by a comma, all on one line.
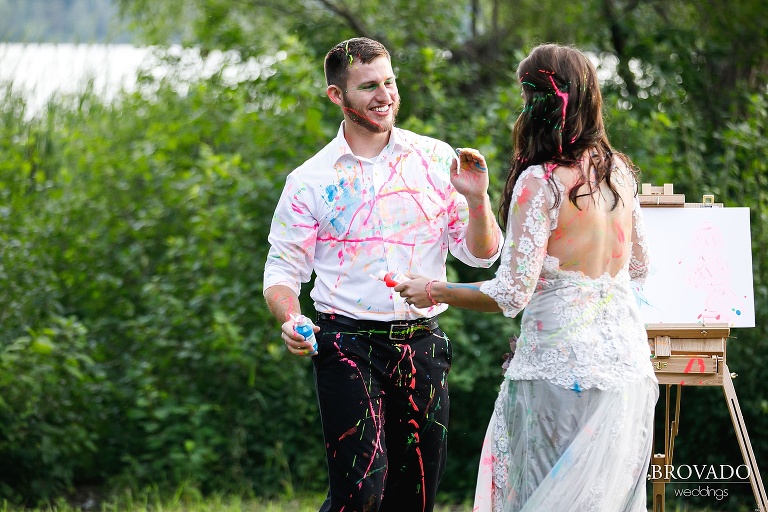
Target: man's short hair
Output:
[(340, 58)]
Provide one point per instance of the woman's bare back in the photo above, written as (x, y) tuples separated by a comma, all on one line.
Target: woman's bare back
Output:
[(594, 238)]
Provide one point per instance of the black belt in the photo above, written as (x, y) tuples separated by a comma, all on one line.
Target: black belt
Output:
[(397, 330)]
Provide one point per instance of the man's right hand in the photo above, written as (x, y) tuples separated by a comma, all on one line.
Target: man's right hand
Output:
[(295, 342), (283, 302)]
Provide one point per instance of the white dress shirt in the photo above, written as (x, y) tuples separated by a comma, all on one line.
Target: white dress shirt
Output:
[(348, 217)]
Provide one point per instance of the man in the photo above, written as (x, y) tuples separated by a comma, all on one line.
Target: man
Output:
[(377, 198)]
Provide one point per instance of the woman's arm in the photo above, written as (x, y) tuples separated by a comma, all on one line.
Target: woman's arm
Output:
[(423, 293), (525, 246)]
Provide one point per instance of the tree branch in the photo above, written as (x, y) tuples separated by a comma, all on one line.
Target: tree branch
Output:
[(353, 22), (619, 41)]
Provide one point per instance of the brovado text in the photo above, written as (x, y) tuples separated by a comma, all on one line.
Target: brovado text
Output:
[(723, 472)]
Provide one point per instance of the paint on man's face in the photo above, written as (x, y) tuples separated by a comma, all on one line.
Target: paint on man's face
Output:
[(357, 113)]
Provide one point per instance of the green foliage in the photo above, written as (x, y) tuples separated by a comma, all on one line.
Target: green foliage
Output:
[(133, 245), (47, 407)]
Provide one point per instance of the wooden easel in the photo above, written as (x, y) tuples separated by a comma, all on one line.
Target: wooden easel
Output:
[(692, 355)]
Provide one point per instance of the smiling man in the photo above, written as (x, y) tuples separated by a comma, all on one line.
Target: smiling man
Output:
[(367, 94), (377, 198)]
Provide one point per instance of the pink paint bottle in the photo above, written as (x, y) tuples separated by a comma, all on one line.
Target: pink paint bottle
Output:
[(391, 279)]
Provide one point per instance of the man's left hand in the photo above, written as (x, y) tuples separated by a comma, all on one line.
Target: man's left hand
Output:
[(469, 174)]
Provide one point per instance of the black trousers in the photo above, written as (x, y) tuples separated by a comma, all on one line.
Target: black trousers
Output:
[(384, 409)]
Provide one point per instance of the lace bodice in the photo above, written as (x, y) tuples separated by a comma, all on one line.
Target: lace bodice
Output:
[(578, 332)]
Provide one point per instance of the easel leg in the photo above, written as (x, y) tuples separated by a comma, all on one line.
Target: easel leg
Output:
[(743, 438), (658, 496), (662, 462)]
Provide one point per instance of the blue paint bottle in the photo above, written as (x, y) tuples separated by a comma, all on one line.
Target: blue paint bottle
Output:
[(303, 326)]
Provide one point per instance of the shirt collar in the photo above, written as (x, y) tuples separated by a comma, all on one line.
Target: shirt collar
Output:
[(396, 140)]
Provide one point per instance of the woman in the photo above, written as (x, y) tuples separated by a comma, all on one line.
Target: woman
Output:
[(572, 425)]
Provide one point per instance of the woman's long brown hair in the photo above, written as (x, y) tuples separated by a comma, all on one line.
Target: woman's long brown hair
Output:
[(562, 120)]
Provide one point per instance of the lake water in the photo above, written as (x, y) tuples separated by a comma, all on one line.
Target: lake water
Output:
[(43, 70)]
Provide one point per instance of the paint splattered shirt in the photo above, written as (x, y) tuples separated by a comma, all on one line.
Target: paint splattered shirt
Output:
[(578, 332), (348, 217)]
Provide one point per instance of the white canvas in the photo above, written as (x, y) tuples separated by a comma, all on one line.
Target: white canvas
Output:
[(701, 267)]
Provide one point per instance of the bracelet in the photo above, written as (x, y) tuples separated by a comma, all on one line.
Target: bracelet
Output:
[(428, 288)]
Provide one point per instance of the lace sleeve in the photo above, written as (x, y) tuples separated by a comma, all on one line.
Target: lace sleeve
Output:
[(528, 228), (639, 262)]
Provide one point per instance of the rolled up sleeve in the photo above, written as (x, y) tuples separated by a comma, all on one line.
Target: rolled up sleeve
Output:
[(292, 239), (457, 230)]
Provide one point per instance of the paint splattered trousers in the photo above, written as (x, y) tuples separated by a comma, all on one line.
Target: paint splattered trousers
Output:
[(384, 410)]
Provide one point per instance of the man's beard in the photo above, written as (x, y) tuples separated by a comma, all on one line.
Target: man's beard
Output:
[(357, 116)]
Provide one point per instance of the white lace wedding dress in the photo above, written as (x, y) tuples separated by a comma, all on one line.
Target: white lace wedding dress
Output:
[(572, 426)]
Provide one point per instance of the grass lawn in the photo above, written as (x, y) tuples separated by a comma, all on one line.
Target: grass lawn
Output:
[(183, 502), (186, 501)]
